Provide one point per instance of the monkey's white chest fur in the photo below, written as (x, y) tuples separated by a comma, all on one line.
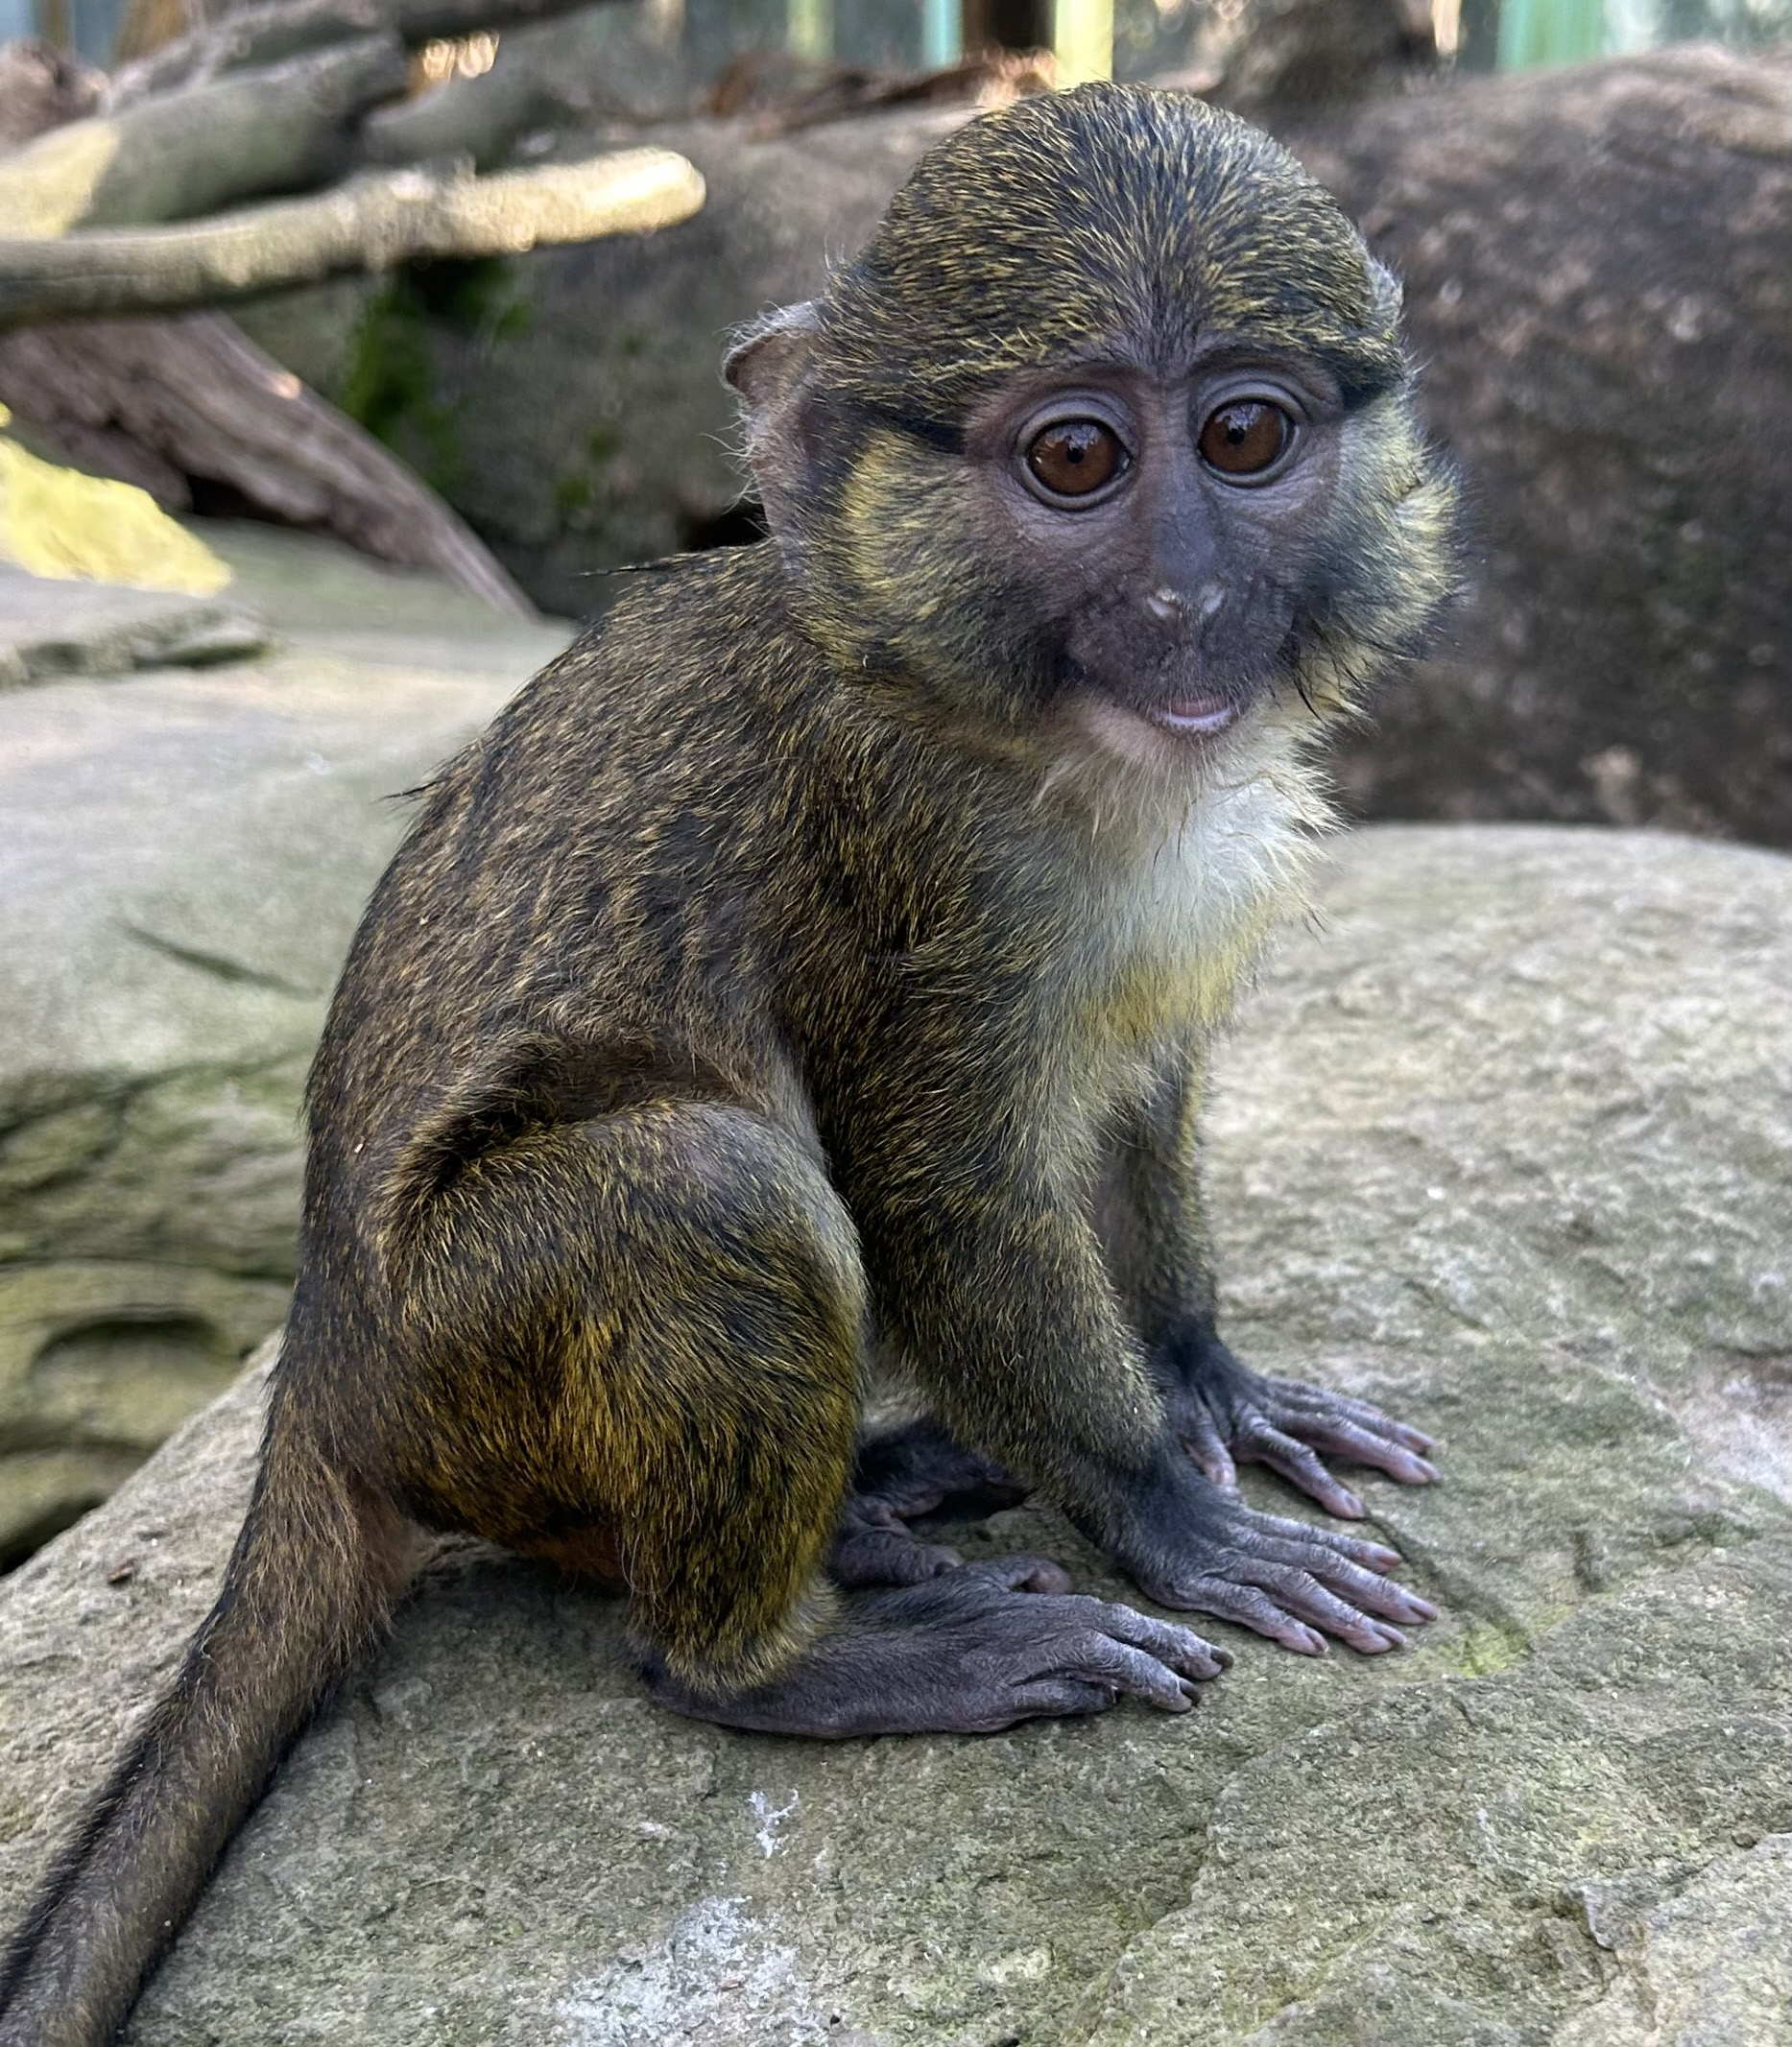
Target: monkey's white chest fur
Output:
[(1187, 890)]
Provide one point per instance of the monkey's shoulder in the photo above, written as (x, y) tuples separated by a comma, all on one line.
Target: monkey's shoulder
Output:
[(682, 672), (601, 843)]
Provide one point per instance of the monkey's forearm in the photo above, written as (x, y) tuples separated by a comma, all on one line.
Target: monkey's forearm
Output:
[(1224, 1412), (1004, 1305), (1153, 1218)]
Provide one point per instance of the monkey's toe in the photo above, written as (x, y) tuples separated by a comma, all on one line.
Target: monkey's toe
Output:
[(907, 1474), (919, 1469), (966, 1653), (866, 1555)]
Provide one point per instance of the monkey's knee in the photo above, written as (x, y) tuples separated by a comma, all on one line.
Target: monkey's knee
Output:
[(744, 1378), (710, 1313)]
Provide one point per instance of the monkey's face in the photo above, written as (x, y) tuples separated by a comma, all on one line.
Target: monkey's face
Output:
[(1108, 430), (1159, 528)]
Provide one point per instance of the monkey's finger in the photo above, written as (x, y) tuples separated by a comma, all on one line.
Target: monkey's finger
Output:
[(1025, 1572), (1385, 1596), (1200, 1437), (1062, 1699), (1261, 1442), (1303, 1594), (1241, 1604), (1180, 1647), (1267, 1528), (1316, 1399), (1347, 1438), (1131, 1672)]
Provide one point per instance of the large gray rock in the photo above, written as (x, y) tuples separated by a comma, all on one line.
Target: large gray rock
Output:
[(50, 629), (1506, 1144), (184, 854)]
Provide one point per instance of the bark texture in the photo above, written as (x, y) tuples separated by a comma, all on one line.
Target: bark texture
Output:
[(369, 222), (162, 402), (280, 128), (289, 27)]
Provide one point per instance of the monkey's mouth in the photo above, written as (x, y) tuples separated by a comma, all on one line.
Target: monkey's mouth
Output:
[(1198, 717)]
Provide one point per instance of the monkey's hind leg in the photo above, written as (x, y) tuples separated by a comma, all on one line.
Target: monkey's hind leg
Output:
[(917, 1473), (654, 1320)]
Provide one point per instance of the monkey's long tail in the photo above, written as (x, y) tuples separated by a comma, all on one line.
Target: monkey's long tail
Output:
[(314, 1570)]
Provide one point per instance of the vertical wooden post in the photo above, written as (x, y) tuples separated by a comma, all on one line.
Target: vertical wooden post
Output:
[(665, 23), (809, 29), (941, 33), (1083, 40), (1550, 32)]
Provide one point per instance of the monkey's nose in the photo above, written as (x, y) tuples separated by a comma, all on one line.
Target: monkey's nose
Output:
[(1170, 608)]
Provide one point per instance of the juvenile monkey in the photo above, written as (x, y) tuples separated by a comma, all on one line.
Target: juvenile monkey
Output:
[(823, 953)]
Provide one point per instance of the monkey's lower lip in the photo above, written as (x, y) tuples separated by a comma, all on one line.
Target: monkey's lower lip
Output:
[(1197, 715)]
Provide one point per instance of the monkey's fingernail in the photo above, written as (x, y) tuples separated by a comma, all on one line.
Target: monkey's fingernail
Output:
[(1380, 1557), (1348, 1505), (1422, 1608)]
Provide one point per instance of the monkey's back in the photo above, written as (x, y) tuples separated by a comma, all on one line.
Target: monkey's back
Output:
[(598, 864)]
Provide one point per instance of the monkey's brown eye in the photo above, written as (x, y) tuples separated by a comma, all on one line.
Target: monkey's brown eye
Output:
[(1245, 437), (1076, 457)]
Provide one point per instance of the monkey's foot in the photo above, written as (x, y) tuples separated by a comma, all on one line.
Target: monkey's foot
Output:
[(908, 1473), (966, 1653), (1190, 1546), (1226, 1415)]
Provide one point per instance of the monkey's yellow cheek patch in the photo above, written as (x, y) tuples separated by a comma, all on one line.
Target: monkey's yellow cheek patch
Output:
[(904, 526)]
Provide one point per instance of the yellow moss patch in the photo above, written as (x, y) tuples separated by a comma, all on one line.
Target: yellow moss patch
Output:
[(47, 185), (58, 523)]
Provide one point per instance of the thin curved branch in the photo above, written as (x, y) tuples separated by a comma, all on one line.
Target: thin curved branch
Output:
[(368, 222)]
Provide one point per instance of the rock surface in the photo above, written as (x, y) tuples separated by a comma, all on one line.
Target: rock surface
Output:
[(1506, 1145), (184, 854), (50, 629)]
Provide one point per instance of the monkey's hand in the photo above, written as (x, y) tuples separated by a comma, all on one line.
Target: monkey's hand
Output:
[(1226, 1415), (915, 1473), (1190, 1546)]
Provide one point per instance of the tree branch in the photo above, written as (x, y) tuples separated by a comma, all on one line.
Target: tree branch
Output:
[(289, 27), (158, 402), (367, 223), (277, 129)]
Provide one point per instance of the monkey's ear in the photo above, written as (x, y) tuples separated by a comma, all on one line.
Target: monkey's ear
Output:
[(1388, 294), (770, 364), (771, 354)]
